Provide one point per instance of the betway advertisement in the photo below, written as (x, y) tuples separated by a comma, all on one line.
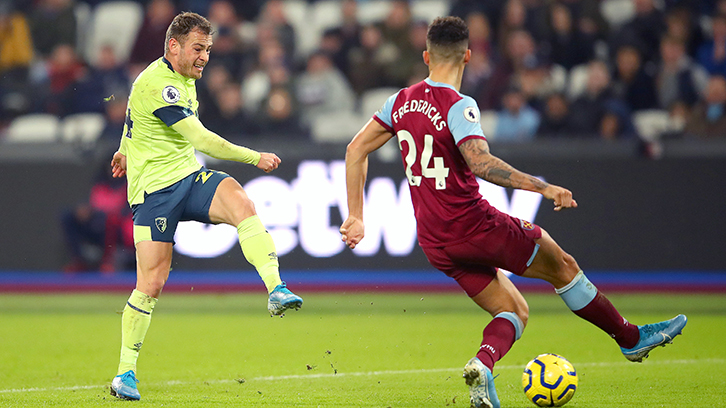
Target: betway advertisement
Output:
[(303, 214)]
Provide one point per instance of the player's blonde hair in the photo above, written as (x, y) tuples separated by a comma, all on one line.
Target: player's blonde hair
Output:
[(183, 24), (447, 39)]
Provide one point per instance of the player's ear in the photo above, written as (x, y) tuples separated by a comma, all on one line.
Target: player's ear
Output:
[(174, 46), (467, 56), (426, 57)]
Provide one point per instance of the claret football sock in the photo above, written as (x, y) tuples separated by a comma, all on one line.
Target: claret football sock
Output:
[(498, 337), (259, 250), (583, 298), (134, 325)]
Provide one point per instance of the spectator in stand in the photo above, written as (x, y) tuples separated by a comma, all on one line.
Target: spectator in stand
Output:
[(16, 54), (568, 46), (644, 30), (322, 90), (369, 61), (62, 70), (681, 23), (409, 57), (272, 22), (231, 119), (229, 48), (517, 122), (678, 77), (556, 118), (52, 23), (332, 44), (215, 77), (632, 83), (591, 105), (152, 32), (101, 80), (708, 118), (115, 115), (397, 25), (477, 74), (350, 27), (616, 121), (279, 116), (94, 229), (519, 52), (712, 53), (257, 83), (480, 34), (513, 20)]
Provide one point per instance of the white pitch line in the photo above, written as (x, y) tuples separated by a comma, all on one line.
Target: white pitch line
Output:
[(353, 374)]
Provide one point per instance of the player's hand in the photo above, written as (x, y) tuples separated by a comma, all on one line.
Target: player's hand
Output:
[(268, 162), (352, 231), (561, 196), (118, 165)]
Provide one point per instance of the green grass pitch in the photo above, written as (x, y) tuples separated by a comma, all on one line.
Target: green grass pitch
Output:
[(343, 350)]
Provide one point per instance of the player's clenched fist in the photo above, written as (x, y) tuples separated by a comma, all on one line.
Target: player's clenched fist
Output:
[(562, 197), (268, 162), (352, 231)]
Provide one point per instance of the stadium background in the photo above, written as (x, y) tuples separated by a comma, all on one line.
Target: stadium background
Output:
[(651, 199)]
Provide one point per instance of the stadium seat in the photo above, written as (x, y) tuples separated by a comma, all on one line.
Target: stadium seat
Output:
[(617, 12), (577, 81), (82, 12), (114, 23), (33, 128), (337, 127), (372, 100), (82, 127), (652, 123), (488, 121), (373, 11), (428, 10)]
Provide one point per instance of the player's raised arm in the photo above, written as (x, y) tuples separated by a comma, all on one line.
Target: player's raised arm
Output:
[(497, 171), (369, 139), (218, 147)]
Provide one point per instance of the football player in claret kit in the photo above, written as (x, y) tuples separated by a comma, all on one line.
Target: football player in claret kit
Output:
[(166, 184), (443, 148)]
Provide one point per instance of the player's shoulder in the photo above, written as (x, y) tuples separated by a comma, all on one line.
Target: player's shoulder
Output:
[(158, 74)]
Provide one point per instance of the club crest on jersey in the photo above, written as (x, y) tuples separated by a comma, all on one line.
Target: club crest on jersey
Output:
[(171, 94), (526, 225), (471, 114), (160, 224)]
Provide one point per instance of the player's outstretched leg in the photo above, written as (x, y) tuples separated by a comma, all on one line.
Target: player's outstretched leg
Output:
[(259, 249), (654, 335), (281, 299), (124, 386), (482, 392)]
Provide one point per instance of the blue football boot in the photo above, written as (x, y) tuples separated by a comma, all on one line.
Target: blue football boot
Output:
[(124, 386), (478, 377), (654, 335), (282, 299)]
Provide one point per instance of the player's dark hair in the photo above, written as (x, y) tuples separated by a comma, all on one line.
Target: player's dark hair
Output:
[(183, 24), (447, 39)]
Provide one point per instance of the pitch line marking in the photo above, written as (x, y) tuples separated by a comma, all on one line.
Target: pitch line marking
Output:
[(352, 374)]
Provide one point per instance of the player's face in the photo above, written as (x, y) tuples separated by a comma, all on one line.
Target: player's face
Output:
[(194, 54)]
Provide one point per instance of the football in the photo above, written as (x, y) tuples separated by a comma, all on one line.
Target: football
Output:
[(549, 380)]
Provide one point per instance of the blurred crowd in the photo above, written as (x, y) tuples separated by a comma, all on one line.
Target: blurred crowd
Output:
[(539, 68)]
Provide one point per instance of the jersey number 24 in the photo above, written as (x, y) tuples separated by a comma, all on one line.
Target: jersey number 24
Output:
[(438, 172)]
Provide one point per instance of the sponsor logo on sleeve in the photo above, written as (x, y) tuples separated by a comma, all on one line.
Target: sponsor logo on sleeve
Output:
[(171, 94), (471, 114), (526, 225)]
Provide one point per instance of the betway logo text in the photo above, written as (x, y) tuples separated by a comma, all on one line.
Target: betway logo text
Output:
[(298, 213)]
